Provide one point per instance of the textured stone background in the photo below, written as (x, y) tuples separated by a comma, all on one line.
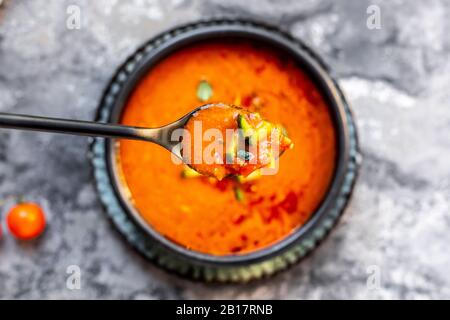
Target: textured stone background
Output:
[(396, 78)]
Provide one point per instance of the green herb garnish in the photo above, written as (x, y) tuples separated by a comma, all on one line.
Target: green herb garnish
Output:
[(239, 194), (189, 173), (204, 91)]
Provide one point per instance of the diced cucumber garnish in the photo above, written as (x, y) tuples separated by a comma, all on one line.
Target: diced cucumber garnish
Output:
[(245, 155), (231, 150), (248, 131), (251, 177), (239, 194), (243, 123), (188, 172)]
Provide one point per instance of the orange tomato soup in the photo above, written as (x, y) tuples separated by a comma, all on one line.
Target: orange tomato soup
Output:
[(229, 216)]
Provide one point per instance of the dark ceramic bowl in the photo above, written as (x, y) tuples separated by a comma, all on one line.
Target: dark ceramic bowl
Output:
[(196, 265)]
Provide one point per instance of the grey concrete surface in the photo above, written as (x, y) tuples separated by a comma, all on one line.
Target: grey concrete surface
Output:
[(396, 78)]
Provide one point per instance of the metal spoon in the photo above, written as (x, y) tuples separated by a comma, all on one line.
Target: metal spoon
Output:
[(161, 135)]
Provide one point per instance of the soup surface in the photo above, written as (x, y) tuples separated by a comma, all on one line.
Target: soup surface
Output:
[(234, 215)]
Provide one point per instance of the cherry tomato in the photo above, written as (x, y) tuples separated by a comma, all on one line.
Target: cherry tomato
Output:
[(26, 221)]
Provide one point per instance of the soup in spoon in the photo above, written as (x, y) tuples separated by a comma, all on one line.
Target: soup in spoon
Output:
[(223, 140)]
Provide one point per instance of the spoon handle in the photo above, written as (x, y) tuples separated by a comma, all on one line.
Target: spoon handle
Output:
[(84, 128)]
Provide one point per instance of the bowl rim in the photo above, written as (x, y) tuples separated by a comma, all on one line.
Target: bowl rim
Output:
[(180, 36)]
